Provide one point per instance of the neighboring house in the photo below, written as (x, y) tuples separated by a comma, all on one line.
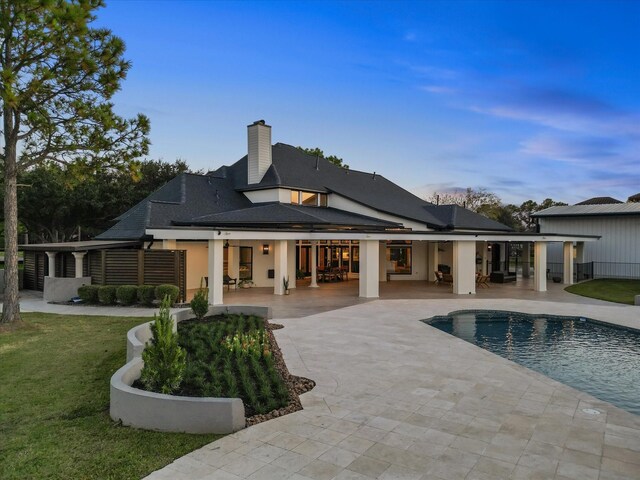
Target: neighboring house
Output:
[(279, 211), (617, 254)]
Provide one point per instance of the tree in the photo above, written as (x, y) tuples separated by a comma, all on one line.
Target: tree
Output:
[(471, 199), (54, 205), (317, 152), (524, 212), (57, 76)]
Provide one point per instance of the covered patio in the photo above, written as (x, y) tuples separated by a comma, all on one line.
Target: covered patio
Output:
[(275, 257)]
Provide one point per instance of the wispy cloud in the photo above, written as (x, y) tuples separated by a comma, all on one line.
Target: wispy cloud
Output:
[(571, 149), (410, 37), (438, 89), (561, 110)]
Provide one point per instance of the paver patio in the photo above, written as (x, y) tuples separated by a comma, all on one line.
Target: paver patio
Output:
[(397, 399)]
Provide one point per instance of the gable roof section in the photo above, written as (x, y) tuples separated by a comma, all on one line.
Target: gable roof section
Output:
[(186, 196), (218, 199), (455, 216), (293, 168), (590, 210), (284, 215)]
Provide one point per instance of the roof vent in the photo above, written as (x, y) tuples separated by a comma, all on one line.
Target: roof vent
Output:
[(259, 151)]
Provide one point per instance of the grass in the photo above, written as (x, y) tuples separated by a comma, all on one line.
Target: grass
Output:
[(230, 356), (609, 289), (54, 403)]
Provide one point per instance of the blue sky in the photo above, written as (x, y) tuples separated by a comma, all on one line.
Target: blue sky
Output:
[(526, 99)]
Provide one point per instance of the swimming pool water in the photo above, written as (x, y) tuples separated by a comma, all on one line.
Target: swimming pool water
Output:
[(599, 359)]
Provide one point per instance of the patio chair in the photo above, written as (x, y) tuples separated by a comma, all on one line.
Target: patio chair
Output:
[(447, 278), (482, 281), (228, 281)]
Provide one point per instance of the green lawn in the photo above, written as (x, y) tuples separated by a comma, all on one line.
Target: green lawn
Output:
[(610, 289), (54, 404)]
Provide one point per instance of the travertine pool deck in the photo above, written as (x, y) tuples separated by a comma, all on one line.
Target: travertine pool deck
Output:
[(398, 399)]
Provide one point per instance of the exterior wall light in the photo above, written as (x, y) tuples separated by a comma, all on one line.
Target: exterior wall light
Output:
[(265, 249)]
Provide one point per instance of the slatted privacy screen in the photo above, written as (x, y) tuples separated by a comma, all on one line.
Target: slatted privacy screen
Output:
[(114, 267), (141, 267)]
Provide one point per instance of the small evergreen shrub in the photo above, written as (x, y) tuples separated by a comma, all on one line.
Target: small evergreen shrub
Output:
[(127, 294), (89, 293), (107, 294), (164, 360), (146, 294), (200, 303), (171, 290)]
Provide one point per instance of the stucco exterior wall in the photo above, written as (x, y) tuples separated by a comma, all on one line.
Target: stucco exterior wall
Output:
[(282, 195), (261, 263), (196, 262)]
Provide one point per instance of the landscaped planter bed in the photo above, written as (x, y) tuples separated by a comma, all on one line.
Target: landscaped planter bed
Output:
[(229, 358)]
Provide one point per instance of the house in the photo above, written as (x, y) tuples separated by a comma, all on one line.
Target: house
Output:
[(279, 212), (616, 255)]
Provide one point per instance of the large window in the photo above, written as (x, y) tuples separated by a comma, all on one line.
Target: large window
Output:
[(399, 258), (246, 263), (309, 199)]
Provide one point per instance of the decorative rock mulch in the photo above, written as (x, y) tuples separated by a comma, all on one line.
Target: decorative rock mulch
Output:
[(296, 385)]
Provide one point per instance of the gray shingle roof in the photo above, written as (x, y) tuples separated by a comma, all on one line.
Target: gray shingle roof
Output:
[(455, 216), (590, 210), (599, 201), (217, 199), (270, 214)]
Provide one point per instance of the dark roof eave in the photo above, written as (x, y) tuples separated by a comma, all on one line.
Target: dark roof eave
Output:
[(280, 226), (81, 246), (390, 231)]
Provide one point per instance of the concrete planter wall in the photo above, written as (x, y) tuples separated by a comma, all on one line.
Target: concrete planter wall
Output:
[(60, 289), (170, 413)]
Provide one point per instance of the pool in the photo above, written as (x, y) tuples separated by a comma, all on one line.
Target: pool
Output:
[(593, 357)]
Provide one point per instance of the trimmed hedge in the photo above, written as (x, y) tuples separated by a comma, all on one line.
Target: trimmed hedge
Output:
[(166, 289), (130, 294), (146, 294), (89, 293), (107, 294), (127, 294)]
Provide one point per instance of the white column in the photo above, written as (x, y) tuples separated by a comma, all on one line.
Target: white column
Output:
[(168, 244), (52, 263), (567, 257), (540, 266), (434, 260), (215, 270), (526, 258), (464, 267), (291, 263), (280, 266), (79, 256), (369, 268), (314, 265)]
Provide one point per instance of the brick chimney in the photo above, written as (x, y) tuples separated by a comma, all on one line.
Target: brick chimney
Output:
[(259, 143)]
